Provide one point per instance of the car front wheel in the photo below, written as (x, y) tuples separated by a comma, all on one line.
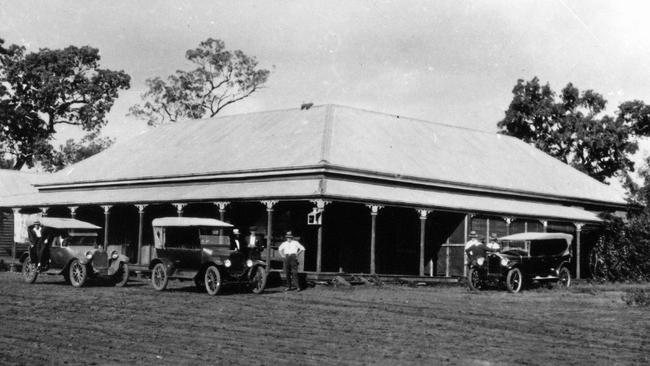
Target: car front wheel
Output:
[(159, 277), (258, 282), (212, 280), (77, 273), (121, 277), (29, 271), (514, 280), (564, 279), (474, 279)]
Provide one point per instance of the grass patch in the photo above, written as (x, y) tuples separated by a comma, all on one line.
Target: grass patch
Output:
[(636, 297)]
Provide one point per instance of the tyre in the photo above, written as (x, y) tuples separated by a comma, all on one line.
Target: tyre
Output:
[(29, 271), (514, 280), (77, 273), (564, 280), (474, 279), (212, 280), (121, 277), (258, 282), (159, 278)]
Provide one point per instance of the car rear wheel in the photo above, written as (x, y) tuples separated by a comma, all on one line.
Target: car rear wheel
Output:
[(29, 271), (514, 280), (564, 279), (121, 277), (258, 282), (159, 278), (474, 279), (212, 280), (77, 273)]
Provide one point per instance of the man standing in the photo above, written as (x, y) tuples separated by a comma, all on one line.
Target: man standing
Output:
[(39, 244), (474, 247), (252, 240), (289, 251)]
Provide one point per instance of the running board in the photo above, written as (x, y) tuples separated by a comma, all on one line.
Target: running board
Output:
[(538, 278)]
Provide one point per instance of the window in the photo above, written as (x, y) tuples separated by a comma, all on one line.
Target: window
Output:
[(548, 247)]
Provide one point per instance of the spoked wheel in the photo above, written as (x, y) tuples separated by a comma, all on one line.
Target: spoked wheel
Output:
[(258, 282), (514, 280), (77, 274), (121, 277), (474, 279), (564, 280), (212, 280), (29, 271), (159, 278)]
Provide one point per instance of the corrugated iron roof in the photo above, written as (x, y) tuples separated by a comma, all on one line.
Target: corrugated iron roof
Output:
[(14, 182), (309, 189), (336, 136), (475, 203)]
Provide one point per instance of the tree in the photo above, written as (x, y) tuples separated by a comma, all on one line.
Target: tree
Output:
[(74, 151), (220, 78), (571, 127), (44, 89)]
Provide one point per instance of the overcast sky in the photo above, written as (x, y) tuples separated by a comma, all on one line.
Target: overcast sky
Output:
[(448, 61)]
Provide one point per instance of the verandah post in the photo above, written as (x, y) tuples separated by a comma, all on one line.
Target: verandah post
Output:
[(269, 230), (107, 209), (423, 221), (374, 211), (140, 230)]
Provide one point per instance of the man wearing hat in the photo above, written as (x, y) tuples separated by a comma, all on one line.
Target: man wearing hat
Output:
[(36, 238), (289, 251), (253, 240), (493, 244), (474, 247)]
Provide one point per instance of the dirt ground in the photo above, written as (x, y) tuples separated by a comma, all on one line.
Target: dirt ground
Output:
[(52, 323)]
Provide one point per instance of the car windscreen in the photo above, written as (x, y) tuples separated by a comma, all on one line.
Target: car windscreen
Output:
[(179, 236), (214, 237), (517, 245), (547, 247)]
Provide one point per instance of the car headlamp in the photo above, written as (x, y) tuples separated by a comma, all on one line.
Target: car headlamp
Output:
[(227, 263), (504, 262), (89, 254), (114, 254), (249, 263), (480, 261)]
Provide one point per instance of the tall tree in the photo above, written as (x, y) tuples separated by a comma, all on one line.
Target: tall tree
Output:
[(571, 127), (221, 77), (74, 151), (44, 89)]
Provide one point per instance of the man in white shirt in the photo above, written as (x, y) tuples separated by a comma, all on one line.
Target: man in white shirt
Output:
[(474, 247), (289, 251)]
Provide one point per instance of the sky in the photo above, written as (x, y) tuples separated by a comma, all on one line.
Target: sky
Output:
[(453, 62)]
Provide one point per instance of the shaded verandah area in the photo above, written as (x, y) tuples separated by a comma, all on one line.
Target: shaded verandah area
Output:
[(408, 241)]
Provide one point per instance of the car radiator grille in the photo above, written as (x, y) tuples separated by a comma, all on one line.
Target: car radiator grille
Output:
[(100, 260), (494, 264)]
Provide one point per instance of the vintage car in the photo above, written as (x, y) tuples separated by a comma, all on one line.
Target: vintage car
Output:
[(75, 254), (201, 249), (523, 258)]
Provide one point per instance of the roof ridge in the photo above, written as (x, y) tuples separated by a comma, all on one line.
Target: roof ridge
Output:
[(415, 119)]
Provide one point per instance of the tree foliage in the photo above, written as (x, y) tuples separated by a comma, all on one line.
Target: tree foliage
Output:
[(623, 251), (571, 127), (44, 89), (74, 151), (221, 77)]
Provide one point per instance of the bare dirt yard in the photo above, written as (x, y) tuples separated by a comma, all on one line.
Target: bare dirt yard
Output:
[(52, 323)]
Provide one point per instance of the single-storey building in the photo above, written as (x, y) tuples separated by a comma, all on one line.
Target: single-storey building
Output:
[(366, 192)]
